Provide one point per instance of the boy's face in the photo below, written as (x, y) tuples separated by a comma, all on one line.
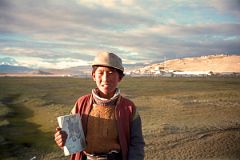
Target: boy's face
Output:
[(107, 80)]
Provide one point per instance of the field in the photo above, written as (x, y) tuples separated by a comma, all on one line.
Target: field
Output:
[(183, 118)]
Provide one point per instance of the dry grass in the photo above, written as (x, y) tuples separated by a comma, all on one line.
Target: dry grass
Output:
[(182, 118), (192, 125)]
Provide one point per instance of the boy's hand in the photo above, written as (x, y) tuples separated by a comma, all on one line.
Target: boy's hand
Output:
[(60, 137)]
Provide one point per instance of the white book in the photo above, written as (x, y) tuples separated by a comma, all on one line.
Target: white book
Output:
[(72, 125)]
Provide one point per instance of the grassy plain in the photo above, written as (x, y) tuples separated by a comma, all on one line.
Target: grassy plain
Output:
[(183, 118)]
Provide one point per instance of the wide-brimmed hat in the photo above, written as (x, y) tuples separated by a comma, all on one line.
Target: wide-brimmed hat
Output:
[(109, 60)]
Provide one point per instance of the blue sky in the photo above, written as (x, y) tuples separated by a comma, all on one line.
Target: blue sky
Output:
[(67, 33)]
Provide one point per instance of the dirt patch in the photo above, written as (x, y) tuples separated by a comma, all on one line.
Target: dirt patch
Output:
[(191, 127)]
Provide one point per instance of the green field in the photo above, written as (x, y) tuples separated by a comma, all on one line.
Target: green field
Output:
[(177, 114)]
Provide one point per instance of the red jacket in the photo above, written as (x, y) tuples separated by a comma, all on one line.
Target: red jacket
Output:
[(125, 109)]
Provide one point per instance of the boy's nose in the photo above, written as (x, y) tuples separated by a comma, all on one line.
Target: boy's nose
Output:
[(105, 76)]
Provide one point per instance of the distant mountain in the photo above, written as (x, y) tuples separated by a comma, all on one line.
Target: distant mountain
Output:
[(72, 71), (130, 67), (40, 72), (212, 63), (14, 69), (80, 70)]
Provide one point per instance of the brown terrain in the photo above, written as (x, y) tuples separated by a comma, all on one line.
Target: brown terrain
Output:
[(199, 129), (213, 63)]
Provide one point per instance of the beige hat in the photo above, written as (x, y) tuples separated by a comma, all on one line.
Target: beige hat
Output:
[(109, 60)]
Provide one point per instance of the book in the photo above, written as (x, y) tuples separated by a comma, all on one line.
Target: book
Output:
[(72, 125)]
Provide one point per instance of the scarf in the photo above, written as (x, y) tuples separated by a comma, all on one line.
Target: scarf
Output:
[(103, 101)]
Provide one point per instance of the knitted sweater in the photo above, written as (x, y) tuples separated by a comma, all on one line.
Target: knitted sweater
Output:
[(128, 125), (102, 135)]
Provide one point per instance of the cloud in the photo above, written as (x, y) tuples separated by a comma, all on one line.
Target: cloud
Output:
[(8, 61), (48, 16), (227, 7), (60, 33), (60, 63)]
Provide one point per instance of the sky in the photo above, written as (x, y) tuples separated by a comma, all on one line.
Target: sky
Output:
[(67, 33)]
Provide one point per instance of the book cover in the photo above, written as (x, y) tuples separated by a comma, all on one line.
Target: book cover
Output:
[(72, 125)]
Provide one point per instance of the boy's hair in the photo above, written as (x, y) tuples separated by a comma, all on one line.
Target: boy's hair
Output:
[(121, 74)]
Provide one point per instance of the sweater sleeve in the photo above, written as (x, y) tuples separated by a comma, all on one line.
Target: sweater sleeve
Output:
[(136, 148)]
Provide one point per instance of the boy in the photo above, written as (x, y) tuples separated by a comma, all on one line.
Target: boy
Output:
[(111, 123)]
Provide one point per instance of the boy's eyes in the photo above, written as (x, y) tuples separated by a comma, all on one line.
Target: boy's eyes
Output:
[(108, 72)]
